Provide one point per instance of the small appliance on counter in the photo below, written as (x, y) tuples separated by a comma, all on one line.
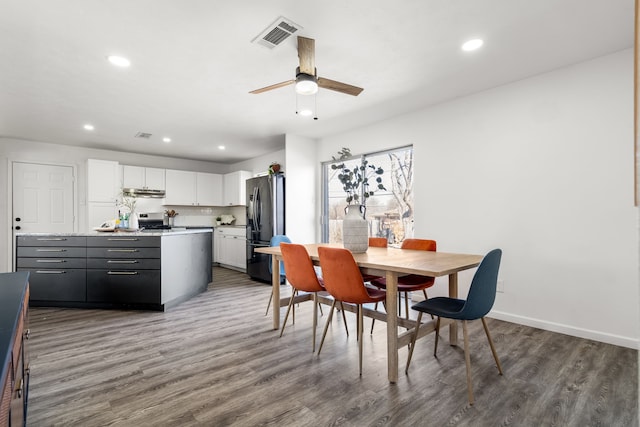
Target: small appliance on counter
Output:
[(148, 221)]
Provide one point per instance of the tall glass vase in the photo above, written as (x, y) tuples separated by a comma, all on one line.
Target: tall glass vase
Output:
[(355, 229)]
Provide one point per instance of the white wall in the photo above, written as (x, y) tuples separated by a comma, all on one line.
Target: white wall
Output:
[(542, 168), (302, 210), (260, 165)]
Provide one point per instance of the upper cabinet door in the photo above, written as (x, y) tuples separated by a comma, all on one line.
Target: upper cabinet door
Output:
[(133, 177), (209, 189), (235, 185), (154, 178), (102, 181), (180, 187)]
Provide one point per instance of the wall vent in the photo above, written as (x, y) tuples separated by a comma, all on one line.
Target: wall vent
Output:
[(144, 135), (276, 33)]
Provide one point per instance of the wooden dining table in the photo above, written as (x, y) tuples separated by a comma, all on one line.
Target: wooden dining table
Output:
[(391, 263)]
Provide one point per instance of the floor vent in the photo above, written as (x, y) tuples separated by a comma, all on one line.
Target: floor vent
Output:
[(144, 135), (276, 33)]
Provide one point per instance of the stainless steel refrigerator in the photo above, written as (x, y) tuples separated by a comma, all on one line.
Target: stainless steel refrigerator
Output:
[(265, 219)]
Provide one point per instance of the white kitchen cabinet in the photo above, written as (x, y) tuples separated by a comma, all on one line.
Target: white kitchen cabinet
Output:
[(103, 184), (208, 189), (100, 212), (235, 184), (193, 188), (180, 187), (230, 247), (141, 177)]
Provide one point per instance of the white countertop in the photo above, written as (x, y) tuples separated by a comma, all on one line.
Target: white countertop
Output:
[(173, 232)]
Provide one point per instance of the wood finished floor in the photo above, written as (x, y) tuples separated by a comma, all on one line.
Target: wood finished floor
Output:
[(215, 361)]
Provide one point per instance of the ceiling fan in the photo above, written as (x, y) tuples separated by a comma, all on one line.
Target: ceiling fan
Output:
[(307, 80)]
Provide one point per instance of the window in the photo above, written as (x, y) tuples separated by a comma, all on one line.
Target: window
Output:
[(389, 213)]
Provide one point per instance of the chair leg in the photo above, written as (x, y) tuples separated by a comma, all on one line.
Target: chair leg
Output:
[(269, 304), (344, 318), (315, 319), (413, 342), (294, 292), (373, 321), (360, 323), (286, 316), (467, 360), (326, 326), (435, 347), (493, 349), (406, 305)]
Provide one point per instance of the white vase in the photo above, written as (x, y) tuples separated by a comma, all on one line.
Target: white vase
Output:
[(133, 221), (355, 230)]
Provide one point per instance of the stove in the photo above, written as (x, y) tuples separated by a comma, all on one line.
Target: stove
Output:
[(153, 224)]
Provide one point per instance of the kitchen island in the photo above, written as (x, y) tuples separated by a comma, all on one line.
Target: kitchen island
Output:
[(141, 270)]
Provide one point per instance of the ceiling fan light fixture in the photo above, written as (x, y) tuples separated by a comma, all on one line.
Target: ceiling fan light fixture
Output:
[(306, 84)]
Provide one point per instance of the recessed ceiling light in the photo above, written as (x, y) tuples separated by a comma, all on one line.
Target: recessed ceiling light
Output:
[(221, 147), (119, 61), (472, 45), (166, 139), (305, 113), (88, 127)]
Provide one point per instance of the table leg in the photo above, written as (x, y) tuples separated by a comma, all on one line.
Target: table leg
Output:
[(392, 326), (453, 293), (275, 291)]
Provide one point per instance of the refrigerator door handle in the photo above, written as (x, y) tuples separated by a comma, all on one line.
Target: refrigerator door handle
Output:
[(257, 207)]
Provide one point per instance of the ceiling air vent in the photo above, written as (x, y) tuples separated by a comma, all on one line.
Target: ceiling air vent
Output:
[(276, 33), (145, 135)]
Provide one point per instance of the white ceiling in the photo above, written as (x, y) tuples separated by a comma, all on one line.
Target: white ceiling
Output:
[(193, 65)]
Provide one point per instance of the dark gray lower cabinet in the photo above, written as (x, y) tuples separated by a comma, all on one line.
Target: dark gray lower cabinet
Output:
[(57, 267), (123, 286), (123, 270)]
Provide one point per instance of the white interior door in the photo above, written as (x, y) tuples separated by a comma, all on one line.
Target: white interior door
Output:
[(42, 198)]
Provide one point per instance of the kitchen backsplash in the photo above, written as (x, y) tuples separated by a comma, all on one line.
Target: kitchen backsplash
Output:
[(192, 215)]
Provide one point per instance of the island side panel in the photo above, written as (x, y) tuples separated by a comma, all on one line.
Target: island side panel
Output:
[(185, 266)]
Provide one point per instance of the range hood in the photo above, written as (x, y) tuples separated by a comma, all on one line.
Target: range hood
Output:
[(143, 192)]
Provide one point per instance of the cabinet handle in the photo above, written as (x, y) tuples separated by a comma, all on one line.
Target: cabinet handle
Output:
[(122, 273), (19, 388), (123, 239), (122, 250), (122, 261), (51, 260), (50, 271), (50, 250), (51, 239)]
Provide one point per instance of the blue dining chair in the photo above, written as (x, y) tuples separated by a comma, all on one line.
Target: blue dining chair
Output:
[(482, 295), (275, 241)]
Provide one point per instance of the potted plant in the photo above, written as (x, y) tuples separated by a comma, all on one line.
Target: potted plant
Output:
[(274, 168), (356, 182), (218, 220)]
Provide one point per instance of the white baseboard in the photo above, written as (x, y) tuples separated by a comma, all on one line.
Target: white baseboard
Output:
[(566, 329)]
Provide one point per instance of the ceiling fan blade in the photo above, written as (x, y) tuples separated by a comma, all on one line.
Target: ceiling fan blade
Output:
[(275, 86), (339, 87), (307, 55)]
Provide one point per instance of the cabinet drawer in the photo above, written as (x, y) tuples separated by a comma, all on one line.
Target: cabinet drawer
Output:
[(51, 241), (124, 264), (123, 253), (51, 252), (123, 286), (49, 284), (124, 241), (57, 263)]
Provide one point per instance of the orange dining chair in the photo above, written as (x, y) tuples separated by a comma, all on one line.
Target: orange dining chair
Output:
[(375, 242), (482, 295), (410, 282), (302, 277), (343, 280)]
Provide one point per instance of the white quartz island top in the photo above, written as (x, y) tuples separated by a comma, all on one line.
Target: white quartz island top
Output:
[(174, 232)]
